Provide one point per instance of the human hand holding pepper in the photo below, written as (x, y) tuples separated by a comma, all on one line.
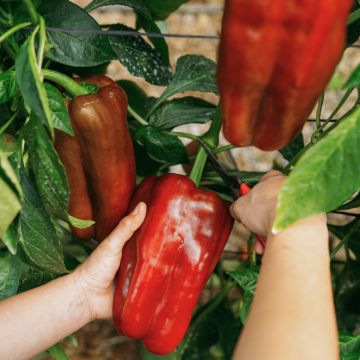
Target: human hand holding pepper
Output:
[(64, 305), (256, 210)]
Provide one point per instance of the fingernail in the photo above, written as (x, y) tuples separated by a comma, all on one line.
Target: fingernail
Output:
[(137, 209)]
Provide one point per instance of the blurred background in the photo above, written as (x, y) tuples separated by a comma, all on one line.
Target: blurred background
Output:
[(99, 340)]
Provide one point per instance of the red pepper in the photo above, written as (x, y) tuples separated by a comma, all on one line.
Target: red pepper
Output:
[(168, 261), (99, 159), (275, 59)]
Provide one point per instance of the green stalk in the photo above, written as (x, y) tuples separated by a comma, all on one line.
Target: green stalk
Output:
[(182, 134), (30, 8), (13, 30), (211, 138), (318, 110), (355, 15), (42, 41), (136, 116), (66, 82)]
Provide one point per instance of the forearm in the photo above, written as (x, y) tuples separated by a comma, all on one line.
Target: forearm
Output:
[(292, 315), (33, 321)]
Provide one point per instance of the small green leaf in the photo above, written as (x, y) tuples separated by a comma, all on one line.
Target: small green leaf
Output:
[(245, 306), (161, 9), (182, 111), (164, 148), (59, 113), (9, 204), (50, 177), (11, 237), (7, 144), (58, 352), (246, 278), (81, 49), (34, 278), (326, 176), (79, 223), (7, 85), (293, 148), (10, 271), (8, 173), (354, 79), (28, 79), (193, 72), (350, 233), (139, 6), (139, 57), (349, 343), (38, 238)]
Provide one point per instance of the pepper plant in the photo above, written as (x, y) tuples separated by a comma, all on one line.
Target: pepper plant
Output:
[(43, 44)]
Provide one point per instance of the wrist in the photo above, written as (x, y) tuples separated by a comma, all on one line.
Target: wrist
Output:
[(82, 298)]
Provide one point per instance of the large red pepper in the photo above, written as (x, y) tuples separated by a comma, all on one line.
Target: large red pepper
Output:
[(275, 59), (99, 159), (168, 261)]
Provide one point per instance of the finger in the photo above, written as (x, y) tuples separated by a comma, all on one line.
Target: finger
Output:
[(271, 174), (237, 207), (125, 229)]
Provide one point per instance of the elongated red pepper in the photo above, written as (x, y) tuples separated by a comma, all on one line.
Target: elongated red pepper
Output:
[(168, 261), (99, 159), (275, 59)]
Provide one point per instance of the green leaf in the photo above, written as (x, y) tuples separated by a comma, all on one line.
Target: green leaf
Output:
[(193, 72), (34, 278), (182, 111), (245, 306), (353, 203), (58, 352), (327, 175), (59, 113), (164, 148), (139, 6), (11, 237), (246, 278), (9, 203), (38, 238), (219, 327), (161, 9), (28, 79), (159, 43), (145, 165), (7, 85), (79, 223), (353, 30), (8, 173), (349, 343), (50, 177), (350, 234), (7, 144), (74, 49), (293, 148), (354, 79), (10, 271), (139, 57)]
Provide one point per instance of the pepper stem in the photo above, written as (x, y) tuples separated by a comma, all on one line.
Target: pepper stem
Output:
[(66, 82), (211, 138)]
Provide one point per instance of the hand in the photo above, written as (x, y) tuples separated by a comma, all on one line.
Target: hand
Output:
[(256, 210), (94, 278)]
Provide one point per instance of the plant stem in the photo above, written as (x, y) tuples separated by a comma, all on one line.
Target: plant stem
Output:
[(183, 135), (318, 110), (66, 82), (355, 15), (211, 138), (30, 8), (13, 30), (223, 148), (136, 116), (42, 41)]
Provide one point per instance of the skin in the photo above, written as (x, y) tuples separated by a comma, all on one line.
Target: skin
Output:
[(285, 322), (293, 315)]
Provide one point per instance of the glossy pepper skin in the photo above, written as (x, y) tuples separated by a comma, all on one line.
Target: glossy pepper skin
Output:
[(275, 59), (168, 261), (99, 159)]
